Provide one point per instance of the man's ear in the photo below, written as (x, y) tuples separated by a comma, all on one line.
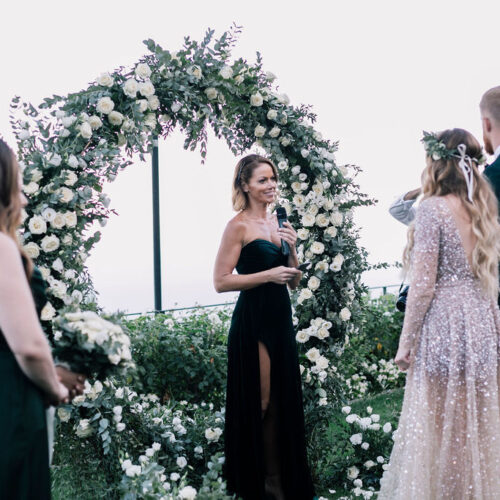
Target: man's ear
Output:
[(487, 124)]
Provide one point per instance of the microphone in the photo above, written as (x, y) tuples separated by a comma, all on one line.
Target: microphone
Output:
[(281, 215)]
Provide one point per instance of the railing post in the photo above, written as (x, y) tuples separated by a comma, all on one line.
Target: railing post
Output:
[(156, 226)]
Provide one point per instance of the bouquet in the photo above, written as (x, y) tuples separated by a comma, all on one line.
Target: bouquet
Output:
[(91, 344)]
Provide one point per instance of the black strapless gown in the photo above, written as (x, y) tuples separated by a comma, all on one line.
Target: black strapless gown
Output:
[(264, 314)]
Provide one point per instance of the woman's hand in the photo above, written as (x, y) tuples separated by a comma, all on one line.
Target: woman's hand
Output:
[(402, 359), (60, 396), (288, 234), (282, 274), (71, 380)]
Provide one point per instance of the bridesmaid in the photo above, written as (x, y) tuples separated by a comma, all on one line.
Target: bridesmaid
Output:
[(264, 430), (29, 378)]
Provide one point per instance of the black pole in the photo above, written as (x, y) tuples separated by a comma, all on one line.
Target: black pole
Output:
[(156, 226)]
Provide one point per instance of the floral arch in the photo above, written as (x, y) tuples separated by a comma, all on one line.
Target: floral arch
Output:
[(69, 145)]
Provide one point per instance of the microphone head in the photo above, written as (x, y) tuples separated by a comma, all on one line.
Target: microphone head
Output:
[(281, 213)]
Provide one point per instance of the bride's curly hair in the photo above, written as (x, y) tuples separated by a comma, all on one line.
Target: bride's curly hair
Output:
[(10, 201), (444, 176)]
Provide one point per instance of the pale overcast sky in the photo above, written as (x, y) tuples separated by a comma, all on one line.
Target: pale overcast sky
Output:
[(376, 74)]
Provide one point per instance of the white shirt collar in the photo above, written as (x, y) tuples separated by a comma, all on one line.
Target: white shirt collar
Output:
[(496, 154)]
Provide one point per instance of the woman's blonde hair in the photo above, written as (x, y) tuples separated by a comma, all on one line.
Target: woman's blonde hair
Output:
[(10, 201), (444, 176), (242, 174)]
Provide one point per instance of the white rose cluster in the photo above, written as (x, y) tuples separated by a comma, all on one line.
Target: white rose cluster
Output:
[(318, 328)]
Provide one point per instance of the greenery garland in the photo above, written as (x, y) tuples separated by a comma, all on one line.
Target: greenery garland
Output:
[(70, 145)]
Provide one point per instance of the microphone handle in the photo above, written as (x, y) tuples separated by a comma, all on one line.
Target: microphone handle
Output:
[(285, 249)]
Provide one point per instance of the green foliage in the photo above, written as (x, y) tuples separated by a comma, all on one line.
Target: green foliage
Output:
[(182, 359)]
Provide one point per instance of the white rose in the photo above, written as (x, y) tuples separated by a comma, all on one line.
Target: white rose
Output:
[(274, 132), (58, 265), (226, 72), (36, 175), (50, 243), (196, 72), (32, 250), (285, 141), (302, 336), (345, 314), (48, 214), (336, 218), (105, 80), (365, 446), (181, 462), (375, 417), (24, 134), (356, 439), (313, 354), (387, 427), (188, 492), (304, 294), (153, 102), (31, 188), (70, 219), (259, 131), (317, 248), (369, 464), (239, 79), (322, 220), (142, 105), (84, 428), (86, 130), (76, 297), (128, 125), (66, 194), (322, 363), (176, 106), (297, 187), (130, 88), (338, 260), (37, 225), (318, 189), (63, 414), (150, 120), (67, 121), (346, 410), (331, 231), (272, 114), (146, 89), (105, 105), (352, 472), (322, 333), (143, 71), (256, 99), (71, 177), (133, 470), (304, 153), (313, 283), (95, 122), (308, 220), (303, 233), (115, 118)]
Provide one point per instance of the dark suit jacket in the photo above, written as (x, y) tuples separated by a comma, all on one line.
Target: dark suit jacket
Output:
[(492, 173)]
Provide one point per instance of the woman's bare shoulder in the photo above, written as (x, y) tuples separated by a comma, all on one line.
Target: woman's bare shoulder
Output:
[(8, 246)]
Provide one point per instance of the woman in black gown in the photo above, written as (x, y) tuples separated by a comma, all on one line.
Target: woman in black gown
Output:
[(28, 376), (264, 430)]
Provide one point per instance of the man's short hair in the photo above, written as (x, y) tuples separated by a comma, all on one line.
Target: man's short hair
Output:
[(490, 102)]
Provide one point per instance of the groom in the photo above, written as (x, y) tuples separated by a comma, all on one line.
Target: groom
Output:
[(490, 117), (404, 211)]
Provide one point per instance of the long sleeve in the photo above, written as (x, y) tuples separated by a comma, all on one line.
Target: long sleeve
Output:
[(403, 210), (424, 263)]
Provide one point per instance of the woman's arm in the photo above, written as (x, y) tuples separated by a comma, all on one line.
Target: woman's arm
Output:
[(20, 325), (227, 258)]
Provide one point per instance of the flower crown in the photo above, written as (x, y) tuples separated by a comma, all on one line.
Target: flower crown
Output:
[(437, 150)]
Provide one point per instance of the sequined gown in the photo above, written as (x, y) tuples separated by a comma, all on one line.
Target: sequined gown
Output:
[(447, 445)]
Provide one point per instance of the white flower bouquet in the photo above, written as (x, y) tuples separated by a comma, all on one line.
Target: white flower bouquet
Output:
[(90, 344)]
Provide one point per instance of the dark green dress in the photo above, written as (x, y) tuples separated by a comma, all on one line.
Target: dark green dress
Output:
[(24, 454), (264, 314)]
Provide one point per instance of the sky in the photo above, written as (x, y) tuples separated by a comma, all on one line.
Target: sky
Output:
[(376, 73)]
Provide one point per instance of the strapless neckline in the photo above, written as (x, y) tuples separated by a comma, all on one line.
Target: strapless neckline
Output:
[(261, 239)]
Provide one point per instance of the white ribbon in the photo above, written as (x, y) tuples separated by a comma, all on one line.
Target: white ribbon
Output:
[(465, 165)]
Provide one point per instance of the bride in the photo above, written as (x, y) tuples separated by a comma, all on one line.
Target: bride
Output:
[(447, 445)]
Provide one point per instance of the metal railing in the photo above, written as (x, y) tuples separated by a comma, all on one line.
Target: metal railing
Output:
[(384, 289)]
